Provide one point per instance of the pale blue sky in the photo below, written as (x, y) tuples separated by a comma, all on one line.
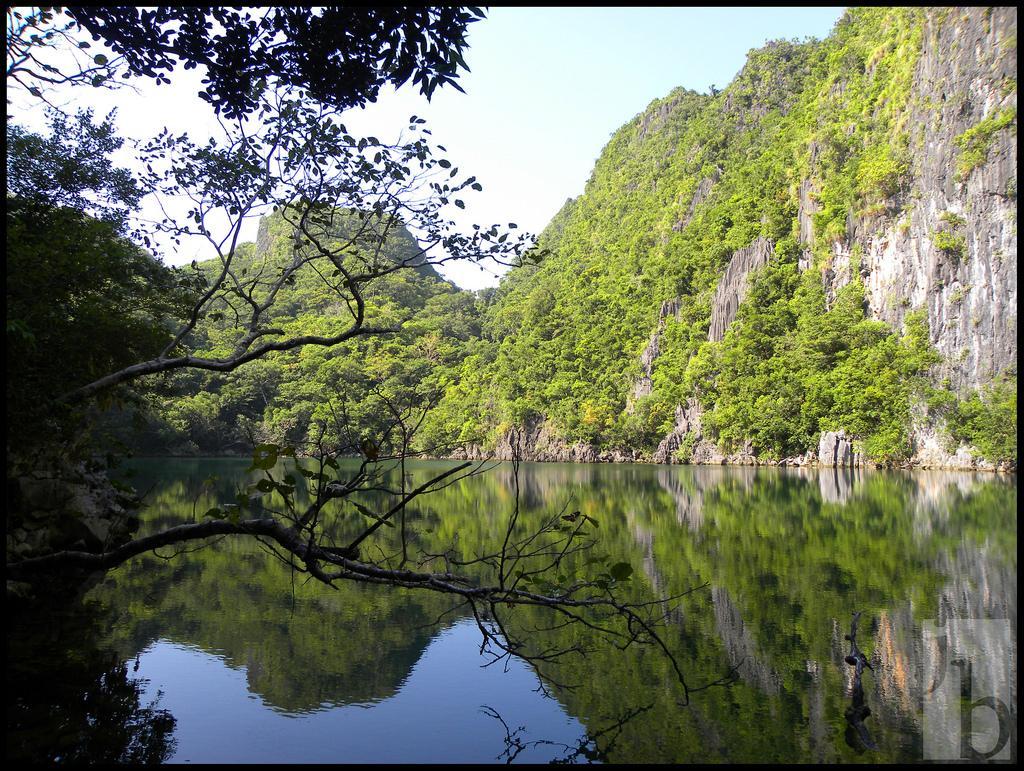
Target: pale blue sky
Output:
[(549, 86), (547, 89)]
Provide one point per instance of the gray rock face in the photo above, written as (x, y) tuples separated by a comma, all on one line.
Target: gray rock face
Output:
[(703, 190), (968, 57), (72, 508), (538, 440), (836, 449), (61, 506), (688, 432), (687, 422), (732, 287), (643, 385), (651, 120), (263, 239), (971, 302), (805, 215)]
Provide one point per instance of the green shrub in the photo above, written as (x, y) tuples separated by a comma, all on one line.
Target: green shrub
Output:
[(952, 219), (975, 143), (953, 245), (880, 172), (988, 420)]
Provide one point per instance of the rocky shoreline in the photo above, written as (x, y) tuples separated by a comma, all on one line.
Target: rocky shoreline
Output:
[(538, 442), (62, 505)]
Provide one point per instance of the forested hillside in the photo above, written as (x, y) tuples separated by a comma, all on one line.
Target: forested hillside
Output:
[(817, 261), (307, 396)]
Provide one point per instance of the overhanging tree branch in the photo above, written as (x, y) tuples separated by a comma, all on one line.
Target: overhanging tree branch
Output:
[(155, 366)]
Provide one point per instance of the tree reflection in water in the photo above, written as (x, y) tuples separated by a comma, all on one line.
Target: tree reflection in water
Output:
[(589, 748), (857, 735), (72, 701), (786, 555)]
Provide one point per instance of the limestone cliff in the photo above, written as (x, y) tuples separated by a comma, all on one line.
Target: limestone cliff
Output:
[(969, 289), (732, 287), (852, 200), (650, 353), (971, 294)]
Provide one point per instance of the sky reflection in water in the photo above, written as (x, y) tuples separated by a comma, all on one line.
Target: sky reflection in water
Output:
[(435, 716)]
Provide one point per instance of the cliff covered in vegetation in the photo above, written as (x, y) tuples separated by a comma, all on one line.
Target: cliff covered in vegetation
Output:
[(819, 260)]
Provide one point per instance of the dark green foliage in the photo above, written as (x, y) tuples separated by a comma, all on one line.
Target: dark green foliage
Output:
[(988, 421), (83, 706), (138, 317), (342, 54), (81, 301), (71, 167)]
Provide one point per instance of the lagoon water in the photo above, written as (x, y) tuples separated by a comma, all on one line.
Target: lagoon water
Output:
[(222, 654)]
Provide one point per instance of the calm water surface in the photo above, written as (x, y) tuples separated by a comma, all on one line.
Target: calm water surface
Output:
[(221, 654)]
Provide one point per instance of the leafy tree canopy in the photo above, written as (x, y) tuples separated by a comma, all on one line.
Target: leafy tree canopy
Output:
[(341, 55), (82, 298), (71, 167)]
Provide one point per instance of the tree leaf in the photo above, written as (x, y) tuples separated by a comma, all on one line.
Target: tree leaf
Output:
[(371, 514), (621, 571), (264, 456)]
